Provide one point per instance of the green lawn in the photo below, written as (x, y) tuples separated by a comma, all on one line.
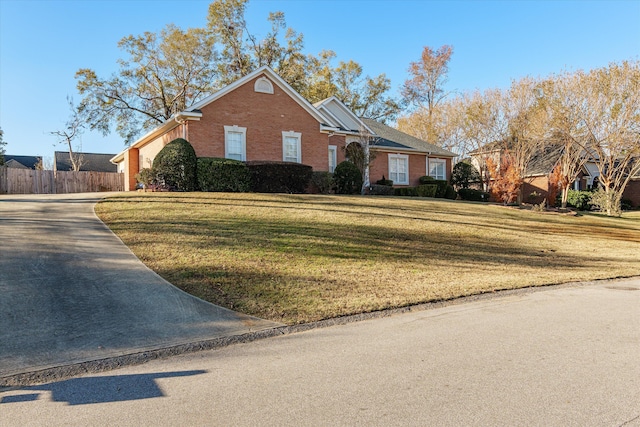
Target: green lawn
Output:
[(300, 258)]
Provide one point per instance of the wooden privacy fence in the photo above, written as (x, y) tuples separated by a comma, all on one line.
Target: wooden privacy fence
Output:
[(29, 181)]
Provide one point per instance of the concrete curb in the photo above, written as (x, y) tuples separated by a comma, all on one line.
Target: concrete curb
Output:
[(68, 371)]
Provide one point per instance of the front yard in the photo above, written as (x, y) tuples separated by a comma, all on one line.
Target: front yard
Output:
[(300, 258)]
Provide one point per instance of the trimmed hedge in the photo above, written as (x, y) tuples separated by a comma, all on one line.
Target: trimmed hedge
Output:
[(279, 177), (427, 190), (473, 195), (175, 166), (406, 191), (381, 190), (347, 178), (216, 174), (444, 190), (384, 181)]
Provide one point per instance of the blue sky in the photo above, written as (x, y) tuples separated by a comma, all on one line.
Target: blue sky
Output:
[(43, 44)]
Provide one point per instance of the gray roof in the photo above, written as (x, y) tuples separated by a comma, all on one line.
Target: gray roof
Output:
[(94, 162), (393, 138), (27, 162), (543, 162)]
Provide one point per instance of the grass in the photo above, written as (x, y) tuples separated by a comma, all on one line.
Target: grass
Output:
[(301, 258)]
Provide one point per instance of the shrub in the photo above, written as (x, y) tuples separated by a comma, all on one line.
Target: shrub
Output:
[(441, 183), (322, 182), (426, 190), (580, 200), (426, 179), (463, 175), (627, 204), (384, 181), (473, 195), (381, 190), (450, 193), (279, 177), (406, 191), (175, 166), (215, 174), (347, 178), (146, 178)]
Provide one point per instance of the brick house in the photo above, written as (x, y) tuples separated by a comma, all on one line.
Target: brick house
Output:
[(536, 183), (261, 117)]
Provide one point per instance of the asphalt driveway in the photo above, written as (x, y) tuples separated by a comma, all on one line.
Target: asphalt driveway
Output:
[(71, 291)]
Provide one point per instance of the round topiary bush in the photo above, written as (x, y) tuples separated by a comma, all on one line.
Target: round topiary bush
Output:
[(347, 178), (175, 166)]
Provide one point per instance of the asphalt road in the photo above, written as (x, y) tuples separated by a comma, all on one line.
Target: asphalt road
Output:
[(71, 292), (567, 356)]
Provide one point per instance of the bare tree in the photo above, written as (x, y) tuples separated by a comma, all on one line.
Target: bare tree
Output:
[(425, 88), (2, 145), (528, 125), (565, 97), (73, 128), (613, 124)]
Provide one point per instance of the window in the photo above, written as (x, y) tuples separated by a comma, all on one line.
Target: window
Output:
[(291, 147), (235, 143), (333, 158), (399, 168), (437, 168), (263, 85)]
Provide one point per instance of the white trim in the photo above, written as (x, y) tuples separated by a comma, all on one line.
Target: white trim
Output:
[(437, 161), (275, 78), (298, 137), (239, 130), (333, 157), (326, 104), (263, 85), (406, 172)]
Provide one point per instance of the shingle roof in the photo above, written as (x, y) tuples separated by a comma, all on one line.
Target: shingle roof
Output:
[(543, 162), (95, 162), (28, 162), (393, 138)]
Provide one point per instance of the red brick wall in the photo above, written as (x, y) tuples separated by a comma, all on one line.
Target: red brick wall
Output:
[(265, 116), (131, 168), (417, 167), (632, 192)]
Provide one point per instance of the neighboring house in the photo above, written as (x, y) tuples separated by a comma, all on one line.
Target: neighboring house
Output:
[(22, 162), (89, 162), (537, 178), (261, 117)]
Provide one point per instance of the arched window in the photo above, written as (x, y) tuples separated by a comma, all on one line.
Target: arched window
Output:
[(263, 85)]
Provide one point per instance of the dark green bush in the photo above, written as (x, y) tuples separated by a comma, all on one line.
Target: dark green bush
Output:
[(381, 190), (580, 200), (347, 178), (441, 183), (473, 195), (450, 193), (427, 190), (426, 179), (216, 174), (175, 166), (406, 191), (279, 177), (627, 204), (385, 181), (464, 174), (322, 182)]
